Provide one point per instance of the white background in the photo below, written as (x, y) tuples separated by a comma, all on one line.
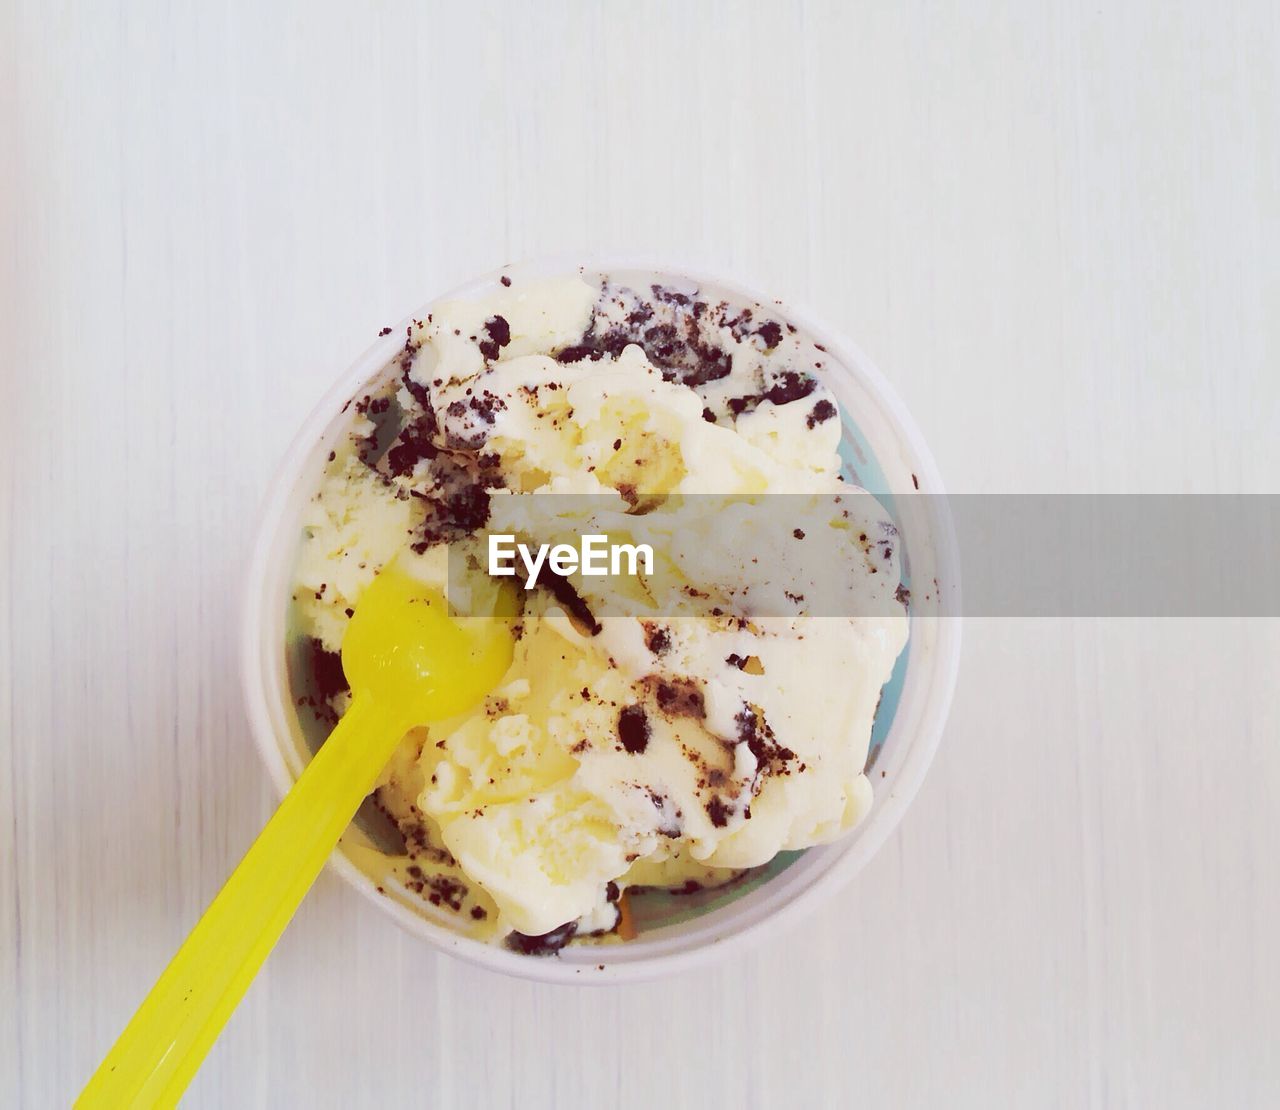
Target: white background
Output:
[(1055, 226)]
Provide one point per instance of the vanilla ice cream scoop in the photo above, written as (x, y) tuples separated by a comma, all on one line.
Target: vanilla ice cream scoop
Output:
[(678, 726)]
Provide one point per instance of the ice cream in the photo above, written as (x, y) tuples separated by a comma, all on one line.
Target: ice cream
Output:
[(622, 749)]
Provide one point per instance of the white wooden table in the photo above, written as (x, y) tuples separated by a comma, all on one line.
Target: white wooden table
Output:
[(1055, 226)]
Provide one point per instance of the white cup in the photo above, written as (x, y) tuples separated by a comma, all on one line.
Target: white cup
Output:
[(885, 452)]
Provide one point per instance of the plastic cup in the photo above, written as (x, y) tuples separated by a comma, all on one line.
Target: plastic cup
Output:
[(883, 450)]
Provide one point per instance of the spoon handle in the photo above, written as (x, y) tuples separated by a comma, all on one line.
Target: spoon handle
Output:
[(162, 1046)]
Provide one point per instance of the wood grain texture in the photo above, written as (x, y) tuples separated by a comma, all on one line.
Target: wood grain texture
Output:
[(1056, 228)]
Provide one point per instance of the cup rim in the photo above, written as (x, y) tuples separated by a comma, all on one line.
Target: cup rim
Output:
[(847, 856)]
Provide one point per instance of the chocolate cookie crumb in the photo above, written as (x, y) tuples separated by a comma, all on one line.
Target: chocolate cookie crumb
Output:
[(499, 336), (718, 812), (771, 333), (657, 639), (823, 411), (633, 729), (545, 944), (790, 386), (326, 669), (577, 353), (415, 443)]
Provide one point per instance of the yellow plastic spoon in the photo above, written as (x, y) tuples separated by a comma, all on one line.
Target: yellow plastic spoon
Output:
[(408, 662)]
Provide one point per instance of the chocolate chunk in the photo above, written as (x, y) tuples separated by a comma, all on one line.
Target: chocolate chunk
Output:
[(499, 330), (823, 411), (577, 353), (718, 812), (415, 443), (633, 729), (790, 386), (771, 333), (752, 665), (326, 670), (505, 280), (546, 944), (499, 336), (657, 639)]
